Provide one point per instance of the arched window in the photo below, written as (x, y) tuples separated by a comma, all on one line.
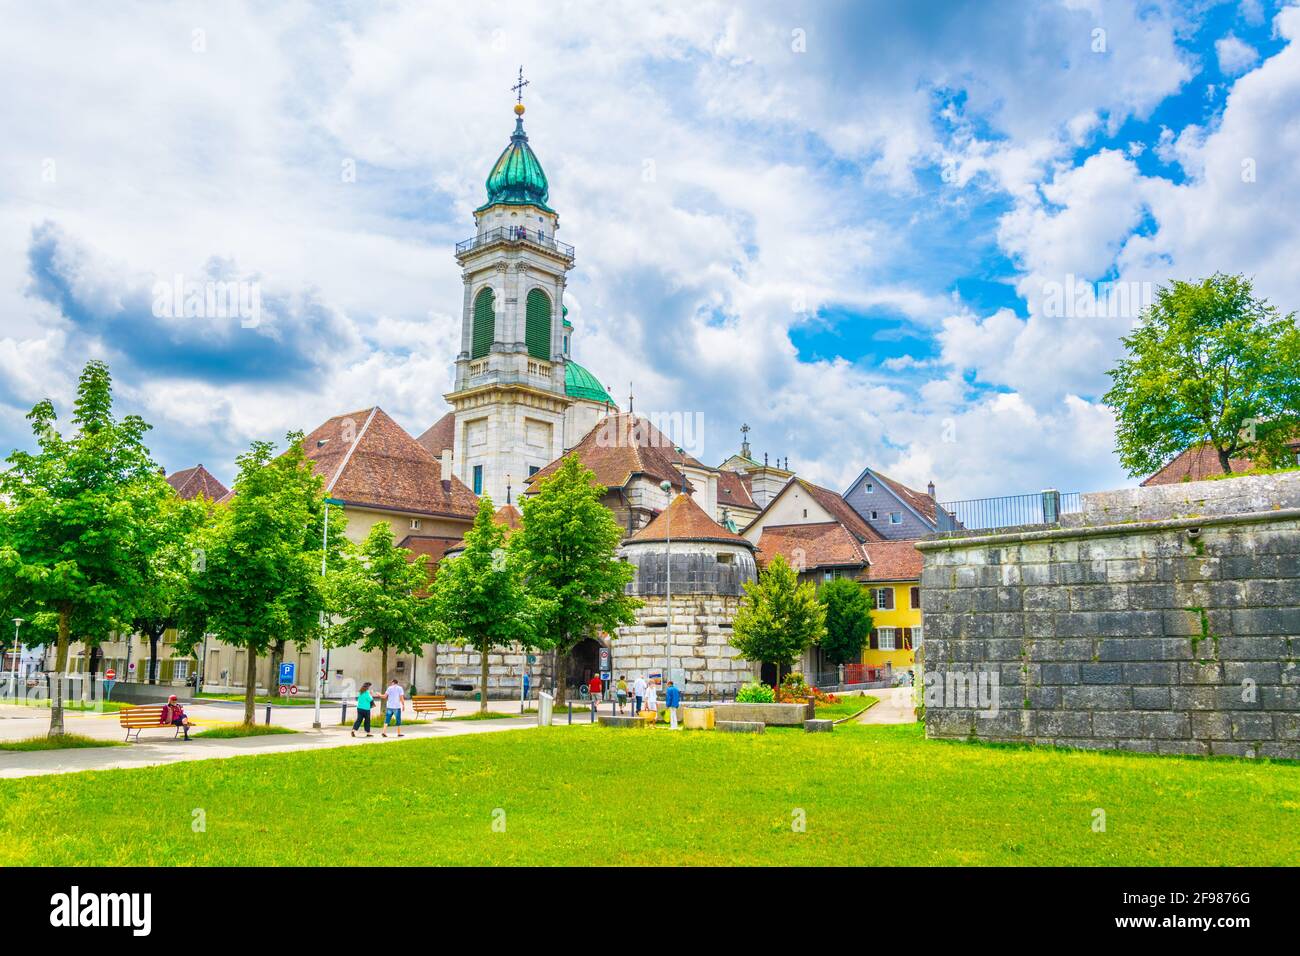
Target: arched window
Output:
[(484, 324), (537, 325)]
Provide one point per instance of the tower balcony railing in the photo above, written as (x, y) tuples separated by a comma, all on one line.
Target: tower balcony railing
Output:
[(516, 235)]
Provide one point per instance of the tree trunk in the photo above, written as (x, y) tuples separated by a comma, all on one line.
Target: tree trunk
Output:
[(383, 666), (777, 688), (483, 677), (561, 678), (93, 656), (153, 654), (1225, 462), (60, 665), (277, 655), (250, 689)]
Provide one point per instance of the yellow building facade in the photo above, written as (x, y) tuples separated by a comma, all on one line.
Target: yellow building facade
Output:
[(896, 629)]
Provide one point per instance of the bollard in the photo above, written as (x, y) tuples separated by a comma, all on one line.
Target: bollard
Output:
[(593, 710), (345, 713), (268, 715), (570, 712)]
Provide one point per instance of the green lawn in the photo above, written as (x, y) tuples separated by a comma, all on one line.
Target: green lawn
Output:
[(592, 795), (846, 707), (62, 742), (230, 733), (308, 700)]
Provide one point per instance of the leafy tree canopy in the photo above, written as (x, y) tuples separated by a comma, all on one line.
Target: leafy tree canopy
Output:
[(1209, 362), (778, 617), (848, 619)]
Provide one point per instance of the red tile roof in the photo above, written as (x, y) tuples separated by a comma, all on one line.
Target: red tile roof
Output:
[(1195, 464), (733, 491), (686, 521), (435, 546), (367, 460), (823, 544), (894, 561), (192, 482), (919, 501), (441, 434), (619, 447)]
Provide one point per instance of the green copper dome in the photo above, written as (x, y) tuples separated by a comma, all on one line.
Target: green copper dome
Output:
[(579, 383), (517, 178)]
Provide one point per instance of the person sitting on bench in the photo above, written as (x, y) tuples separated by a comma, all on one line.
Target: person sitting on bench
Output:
[(174, 714)]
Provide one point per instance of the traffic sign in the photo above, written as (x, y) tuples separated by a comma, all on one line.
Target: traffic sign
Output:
[(293, 690), (284, 690), (131, 666), (288, 672), (110, 674)]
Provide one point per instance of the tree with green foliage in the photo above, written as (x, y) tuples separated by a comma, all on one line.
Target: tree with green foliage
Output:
[(168, 572), (255, 575), (1208, 362), (479, 595), (778, 618), (380, 596), (84, 521), (848, 620), (568, 549)]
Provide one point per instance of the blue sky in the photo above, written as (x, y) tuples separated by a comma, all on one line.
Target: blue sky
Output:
[(840, 223)]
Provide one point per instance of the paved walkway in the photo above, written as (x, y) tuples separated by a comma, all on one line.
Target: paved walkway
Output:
[(896, 706), (156, 748)]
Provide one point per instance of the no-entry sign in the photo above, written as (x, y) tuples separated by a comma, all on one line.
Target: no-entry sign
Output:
[(110, 674)]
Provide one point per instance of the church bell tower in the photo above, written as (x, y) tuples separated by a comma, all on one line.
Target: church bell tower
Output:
[(509, 398)]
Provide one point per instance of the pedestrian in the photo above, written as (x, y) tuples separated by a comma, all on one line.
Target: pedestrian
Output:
[(597, 687), (638, 694), (620, 692), (528, 685), (651, 701), (365, 701), (394, 698), (672, 700)]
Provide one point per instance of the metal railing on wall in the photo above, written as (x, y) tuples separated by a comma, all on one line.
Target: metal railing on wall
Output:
[(1046, 507)]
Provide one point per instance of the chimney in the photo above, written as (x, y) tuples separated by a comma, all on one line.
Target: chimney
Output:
[(930, 491), (445, 468)]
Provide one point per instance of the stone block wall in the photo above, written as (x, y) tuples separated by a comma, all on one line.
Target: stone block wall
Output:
[(1162, 620), (702, 655)]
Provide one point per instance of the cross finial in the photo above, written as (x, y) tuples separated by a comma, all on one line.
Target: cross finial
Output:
[(744, 440), (518, 88)]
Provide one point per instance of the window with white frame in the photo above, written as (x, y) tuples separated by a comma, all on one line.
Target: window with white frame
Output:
[(916, 637), (884, 599), (896, 517), (885, 639)]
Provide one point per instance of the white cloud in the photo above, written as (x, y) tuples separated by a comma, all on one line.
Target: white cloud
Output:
[(1235, 56)]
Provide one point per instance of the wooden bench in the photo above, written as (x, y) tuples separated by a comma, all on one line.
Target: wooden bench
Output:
[(136, 719), (430, 704)]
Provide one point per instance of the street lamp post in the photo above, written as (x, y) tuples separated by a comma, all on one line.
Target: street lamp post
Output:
[(668, 589), (324, 616), (18, 656)]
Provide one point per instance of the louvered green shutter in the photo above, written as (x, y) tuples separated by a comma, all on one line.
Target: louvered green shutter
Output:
[(484, 325), (537, 328)]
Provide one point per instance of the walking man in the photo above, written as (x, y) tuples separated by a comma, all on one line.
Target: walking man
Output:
[(672, 700), (638, 694), (394, 698), (620, 692)]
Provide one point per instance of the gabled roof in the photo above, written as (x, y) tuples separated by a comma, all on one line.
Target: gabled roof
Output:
[(441, 434), (734, 491), (894, 561), (839, 509), (619, 447), (806, 547), (1195, 464), (368, 460), (192, 482), (918, 501), (686, 521)]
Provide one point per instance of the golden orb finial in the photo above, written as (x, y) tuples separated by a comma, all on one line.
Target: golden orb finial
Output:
[(519, 109)]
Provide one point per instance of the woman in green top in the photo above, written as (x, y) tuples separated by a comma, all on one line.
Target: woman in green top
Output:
[(364, 702)]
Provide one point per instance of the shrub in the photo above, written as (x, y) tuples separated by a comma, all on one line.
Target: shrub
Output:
[(756, 694)]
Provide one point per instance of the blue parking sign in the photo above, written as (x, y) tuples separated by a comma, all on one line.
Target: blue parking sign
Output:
[(287, 672)]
